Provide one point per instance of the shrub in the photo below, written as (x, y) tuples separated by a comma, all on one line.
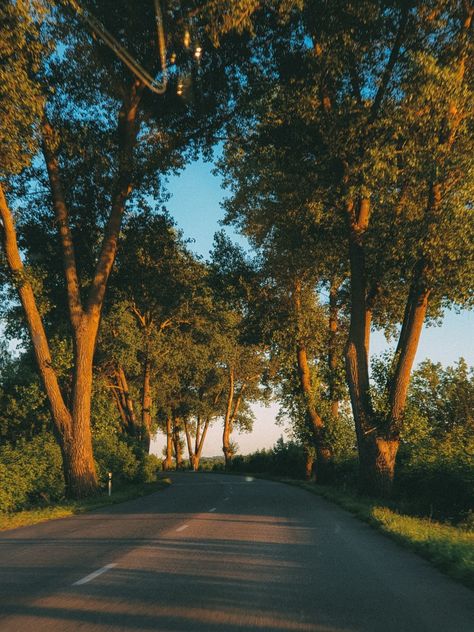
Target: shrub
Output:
[(443, 489), (149, 468), (113, 454), (288, 459), (284, 459), (30, 473)]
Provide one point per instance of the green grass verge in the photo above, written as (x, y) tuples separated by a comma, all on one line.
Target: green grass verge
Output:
[(71, 508), (449, 548)]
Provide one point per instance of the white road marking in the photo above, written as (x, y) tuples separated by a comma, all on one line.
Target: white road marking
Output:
[(89, 578), (212, 509), (226, 498), (182, 527)]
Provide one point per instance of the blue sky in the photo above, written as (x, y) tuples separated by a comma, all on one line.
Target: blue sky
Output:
[(196, 195)]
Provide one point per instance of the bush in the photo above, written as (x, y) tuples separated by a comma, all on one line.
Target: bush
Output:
[(113, 454), (30, 473), (284, 459), (149, 468), (288, 459), (443, 489)]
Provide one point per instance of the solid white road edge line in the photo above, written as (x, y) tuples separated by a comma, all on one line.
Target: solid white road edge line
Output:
[(182, 527), (93, 575)]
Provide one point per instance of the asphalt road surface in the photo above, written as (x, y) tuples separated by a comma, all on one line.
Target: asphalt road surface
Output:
[(215, 552)]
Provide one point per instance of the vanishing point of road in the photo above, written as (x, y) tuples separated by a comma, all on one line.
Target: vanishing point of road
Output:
[(215, 552)]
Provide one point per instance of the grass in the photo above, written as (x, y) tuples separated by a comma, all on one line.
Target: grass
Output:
[(71, 508), (449, 548)]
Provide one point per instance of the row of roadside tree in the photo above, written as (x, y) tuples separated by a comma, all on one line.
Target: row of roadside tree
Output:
[(346, 136)]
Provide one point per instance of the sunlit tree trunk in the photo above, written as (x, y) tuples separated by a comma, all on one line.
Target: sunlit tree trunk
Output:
[(314, 420), (177, 444), (146, 405), (132, 427), (168, 462), (378, 439), (232, 409), (72, 424)]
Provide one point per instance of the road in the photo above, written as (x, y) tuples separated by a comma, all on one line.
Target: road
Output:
[(215, 552)]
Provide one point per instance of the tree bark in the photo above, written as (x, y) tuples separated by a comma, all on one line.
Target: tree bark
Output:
[(333, 356), (226, 447), (377, 452), (189, 443), (177, 445), (309, 465), (200, 444), (73, 425), (315, 422), (378, 439), (146, 405), (168, 462), (62, 417), (132, 426)]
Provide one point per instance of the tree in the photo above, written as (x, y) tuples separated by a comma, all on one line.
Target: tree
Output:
[(104, 139), (159, 283), (362, 89), (242, 362)]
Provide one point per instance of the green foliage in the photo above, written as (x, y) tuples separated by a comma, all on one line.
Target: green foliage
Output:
[(149, 468), (23, 408), (114, 454), (284, 459), (21, 96), (30, 473)]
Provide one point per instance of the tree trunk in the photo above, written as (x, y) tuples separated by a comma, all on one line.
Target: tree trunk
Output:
[(132, 427), (168, 462), (177, 445), (72, 427), (309, 465), (414, 318), (79, 465), (314, 420), (200, 444), (378, 439), (146, 405), (189, 443), (376, 453), (333, 356), (118, 401), (226, 447), (378, 465)]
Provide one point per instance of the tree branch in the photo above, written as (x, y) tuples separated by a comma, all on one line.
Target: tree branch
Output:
[(392, 60), (62, 221), (127, 134), (61, 415)]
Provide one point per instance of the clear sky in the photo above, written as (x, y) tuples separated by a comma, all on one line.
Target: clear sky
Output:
[(196, 195)]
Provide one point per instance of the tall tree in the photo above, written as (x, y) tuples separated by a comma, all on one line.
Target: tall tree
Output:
[(363, 89), (97, 156), (243, 360)]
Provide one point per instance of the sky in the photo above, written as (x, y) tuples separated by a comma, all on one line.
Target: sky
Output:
[(195, 205)]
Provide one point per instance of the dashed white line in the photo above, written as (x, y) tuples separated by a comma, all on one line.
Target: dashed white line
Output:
[(182, 527), (212, 509), (227, 498), (93, 575)]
